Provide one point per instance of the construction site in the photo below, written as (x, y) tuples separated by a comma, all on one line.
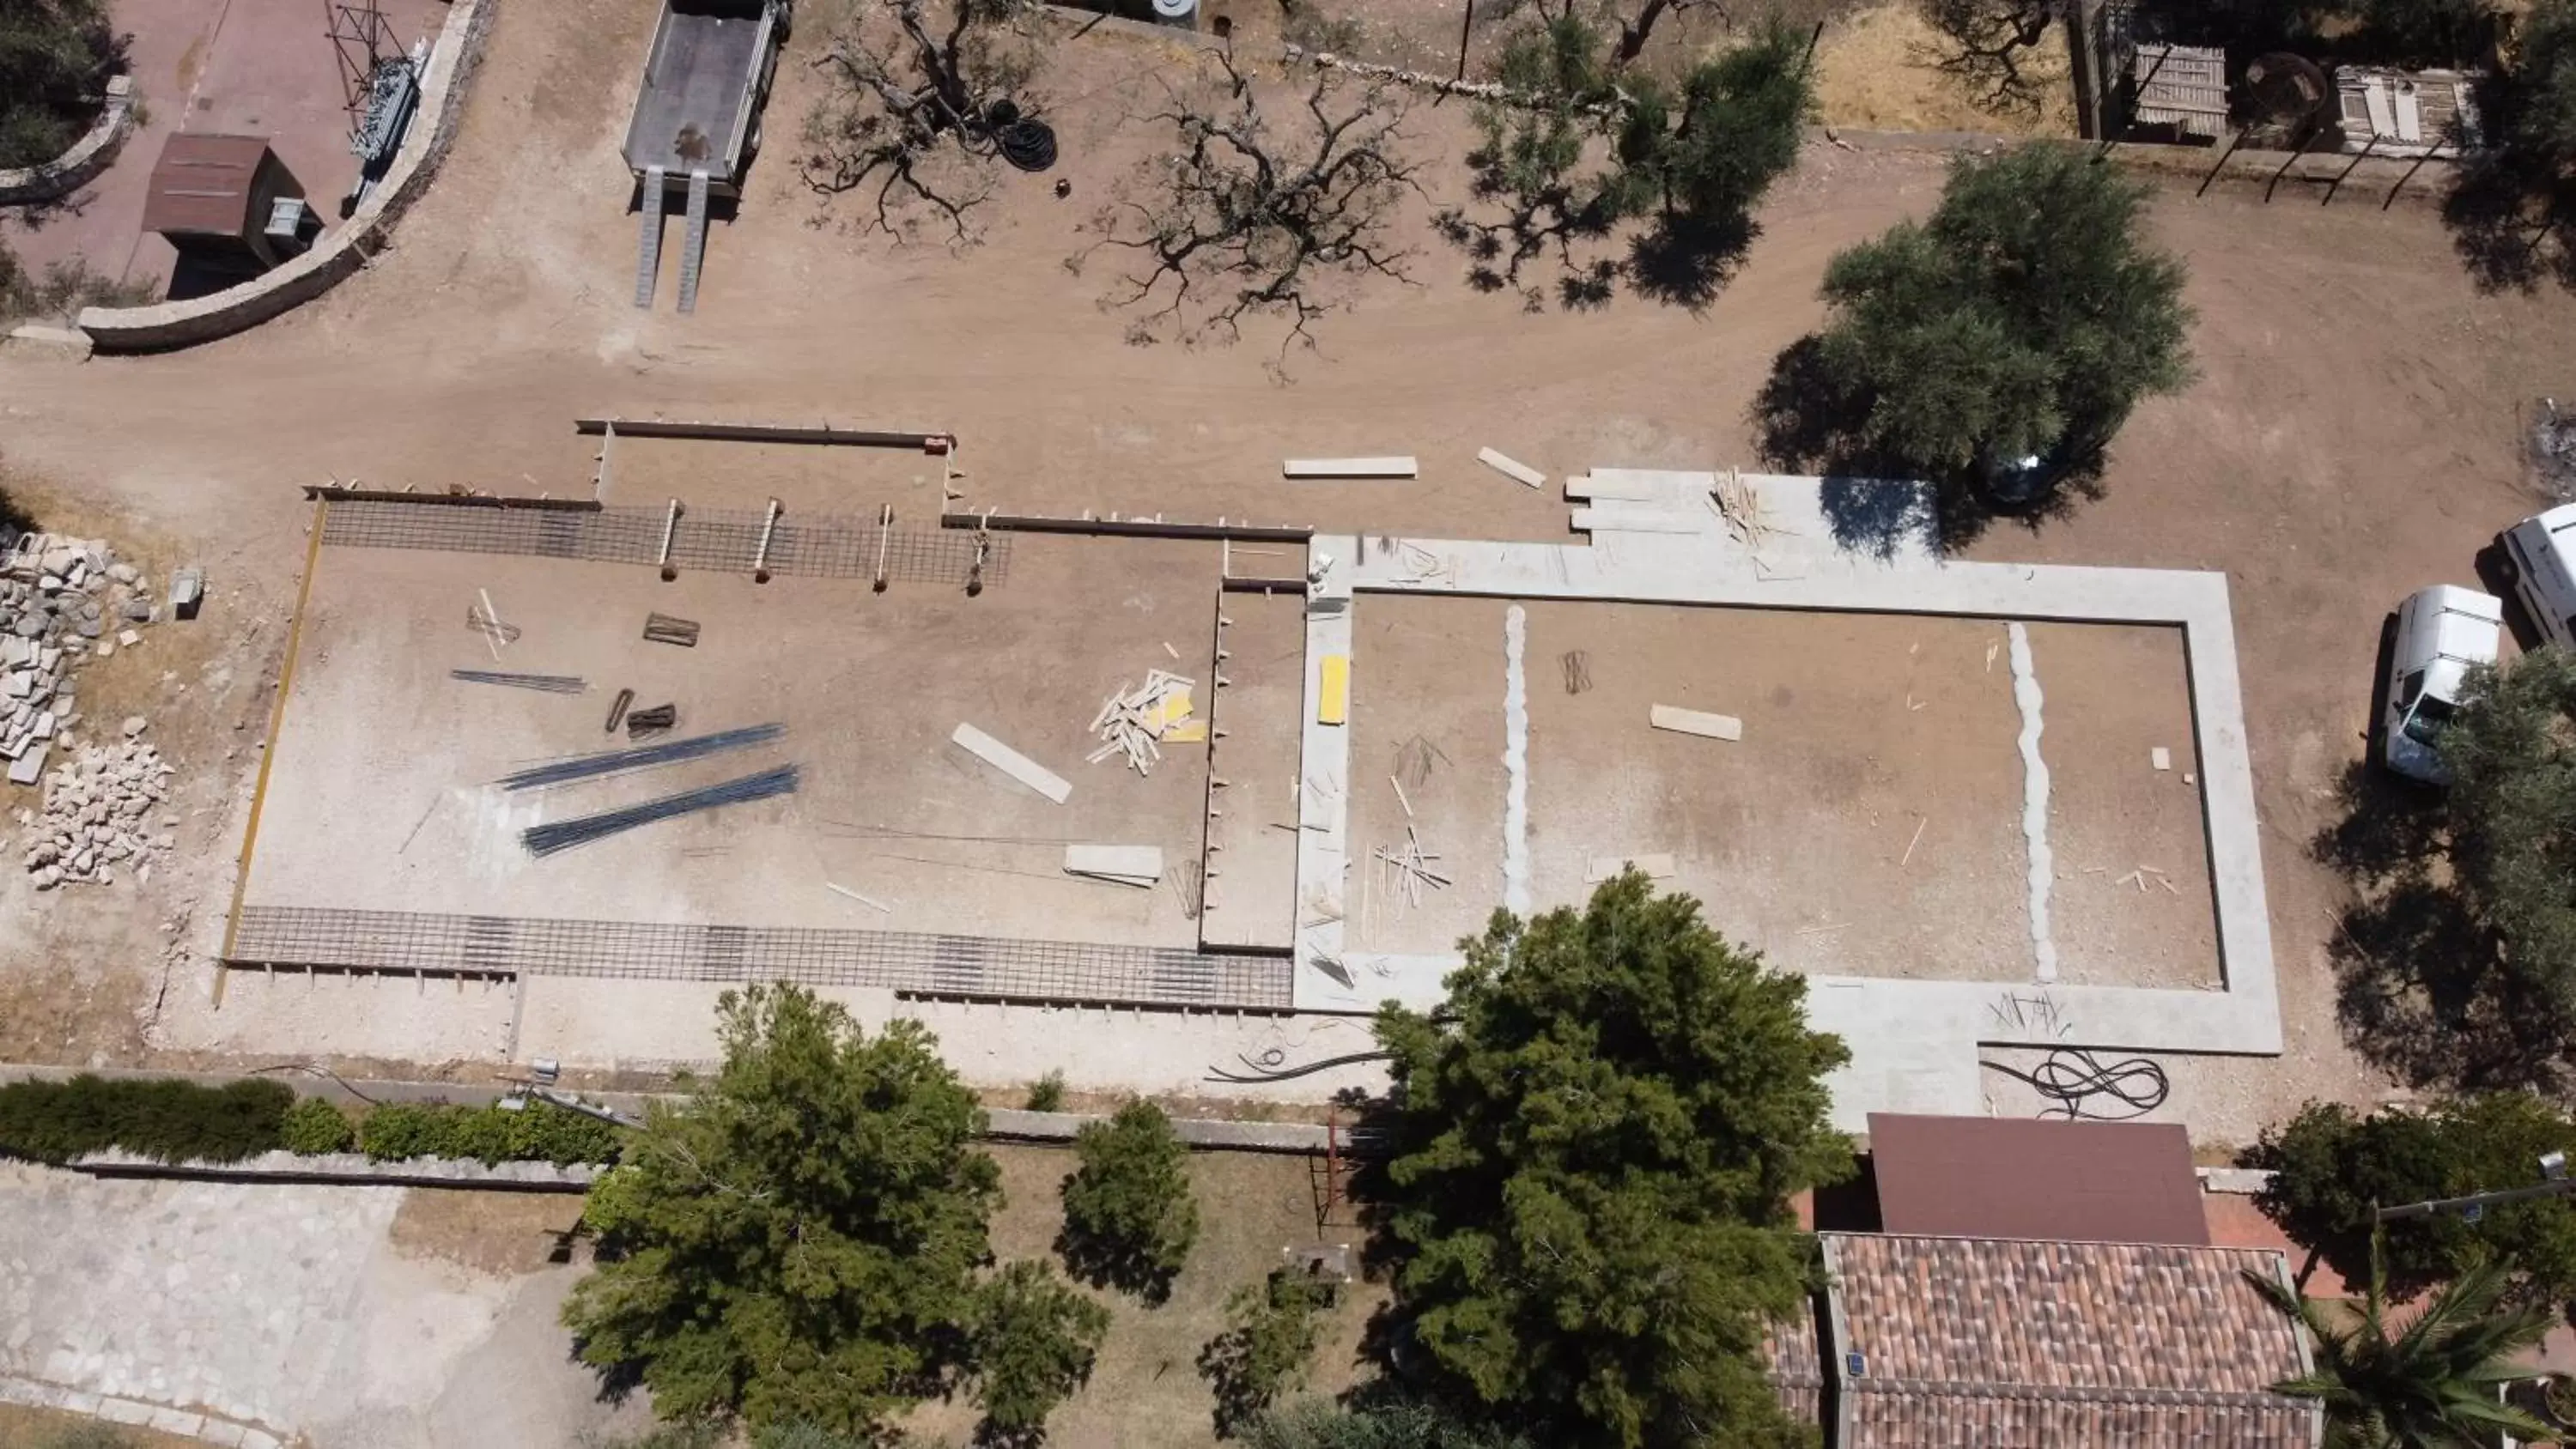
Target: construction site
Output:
[(1218, 784)]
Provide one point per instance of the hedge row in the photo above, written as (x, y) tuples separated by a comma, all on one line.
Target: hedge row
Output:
[(174, 1121)]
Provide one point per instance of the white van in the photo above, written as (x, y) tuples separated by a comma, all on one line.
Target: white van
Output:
[(2442, 632), (2540, 554)]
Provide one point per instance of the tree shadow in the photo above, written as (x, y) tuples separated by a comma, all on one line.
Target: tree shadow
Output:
[(1685, 261), (1808, 421), (1104, 1263), (2509, 218), (2421, 984)]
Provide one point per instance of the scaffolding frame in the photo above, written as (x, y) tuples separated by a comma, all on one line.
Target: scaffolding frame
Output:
[(363, 39)]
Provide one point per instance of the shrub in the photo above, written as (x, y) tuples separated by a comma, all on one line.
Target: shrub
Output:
[(1046, 1094), (1379, 1419), (1270, 1336), (169, 1121), (315, 1127), (536, 1133), (1033, 1338), (1129, 1218)]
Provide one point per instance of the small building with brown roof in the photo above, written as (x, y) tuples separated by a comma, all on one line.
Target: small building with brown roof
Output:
[(1987, 1343), (214, 197), (2001, 1177)]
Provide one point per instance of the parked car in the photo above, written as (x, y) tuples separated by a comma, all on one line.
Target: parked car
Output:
[(2540, 555), (2442, 633)]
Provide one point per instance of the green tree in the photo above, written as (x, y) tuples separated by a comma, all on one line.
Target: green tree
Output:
[(1268, 1345), (1595, 1142), (2513, 788), (1129, 1215), (1033, 1338), (797, 1239), (1691, 157), (2332, 1168), (1379, 1420), (55, 60), (2544, 82), (2428, 1380), (2025, 318)]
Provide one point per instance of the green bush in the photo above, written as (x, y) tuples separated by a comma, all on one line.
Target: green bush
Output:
[(1271, 1331), (537, 1133), (1033, 1338), (169, 1121), (314, 1127), (1129, 1218), (1046, 1094)]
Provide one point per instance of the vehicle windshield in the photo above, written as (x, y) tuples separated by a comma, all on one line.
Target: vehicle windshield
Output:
[(2424, 723)]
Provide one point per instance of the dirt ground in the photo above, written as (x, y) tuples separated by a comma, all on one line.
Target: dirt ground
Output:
[(2352, 434), (25, 1428), (1145, 1387), (1874, 73)]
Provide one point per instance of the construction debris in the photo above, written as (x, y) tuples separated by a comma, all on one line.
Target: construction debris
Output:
[(868, 901), (1132, 723), (2160, 757), (610, 762), (664, 629), (560, 835), (1406, 873), (57, 595), (482, 620), (1011, 762), (1606, 867), (617, 709), (1694, 722), (550, 683), (1520, 473), (660, 717), (1351, 468), (96, 813), (1127, 865), (1741, 509)]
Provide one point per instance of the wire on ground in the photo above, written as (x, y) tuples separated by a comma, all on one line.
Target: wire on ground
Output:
[(609, 762), (2071, 1079), (558, 835), (550, 683)]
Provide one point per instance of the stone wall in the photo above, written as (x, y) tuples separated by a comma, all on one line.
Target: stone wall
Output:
[(346, 247), (88, 156)]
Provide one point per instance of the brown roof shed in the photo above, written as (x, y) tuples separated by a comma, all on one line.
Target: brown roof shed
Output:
[(1992, 1177), (1981, 1343), (213, 186)]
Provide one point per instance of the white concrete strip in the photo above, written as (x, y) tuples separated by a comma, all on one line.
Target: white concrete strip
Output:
[(1516, 858), (1012, 763), (1350, 468), (1587, 486), (1323, 801), (1638, 520), (1695, 722), (1603, 867), (1518, 472), (2034, 802)]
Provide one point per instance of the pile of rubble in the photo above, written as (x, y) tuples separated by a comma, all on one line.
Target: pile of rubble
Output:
[(104, 807), (63, 601)]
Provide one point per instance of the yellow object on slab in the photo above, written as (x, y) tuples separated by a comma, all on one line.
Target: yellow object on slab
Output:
[(1173, 708), (1333, 699), (1193, 733)]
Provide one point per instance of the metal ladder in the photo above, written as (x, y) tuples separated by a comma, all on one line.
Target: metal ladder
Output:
[(648, 248), (693, 245)]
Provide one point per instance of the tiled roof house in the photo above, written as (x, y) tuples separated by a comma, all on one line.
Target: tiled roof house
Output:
[(1992, 1343)]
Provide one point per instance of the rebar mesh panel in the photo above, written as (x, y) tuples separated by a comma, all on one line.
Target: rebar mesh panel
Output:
[(714, 540), (940, 965)]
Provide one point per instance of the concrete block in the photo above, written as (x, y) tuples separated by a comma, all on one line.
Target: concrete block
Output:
[(1518, 472), (1012, 763), (177, 1421), (125, 1411), (1388, 467), (1696, 722), (28, 768), (68, 343)]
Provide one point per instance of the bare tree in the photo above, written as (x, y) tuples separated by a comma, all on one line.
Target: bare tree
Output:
[(1985, 44), (922, 107), (1258, 217)]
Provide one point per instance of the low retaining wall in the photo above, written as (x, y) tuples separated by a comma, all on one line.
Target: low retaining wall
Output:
[(88, 156), (353, 1169), (348, 246)]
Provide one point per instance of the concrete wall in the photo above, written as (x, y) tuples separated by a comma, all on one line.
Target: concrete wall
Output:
[(345, 248), (88, 156)]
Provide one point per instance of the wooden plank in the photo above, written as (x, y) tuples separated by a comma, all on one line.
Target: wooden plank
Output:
[(1642, 520), (1391, 467), (1520, 473), (1127, 864), (1695, 722), (1012, 763), (1603, 867), (1333, 694)]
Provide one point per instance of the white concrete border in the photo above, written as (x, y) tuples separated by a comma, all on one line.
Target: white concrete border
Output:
[(1914, 1042), (87, 157)]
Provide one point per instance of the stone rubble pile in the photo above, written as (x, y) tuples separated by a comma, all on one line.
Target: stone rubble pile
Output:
[(63, 602), (104, 807)]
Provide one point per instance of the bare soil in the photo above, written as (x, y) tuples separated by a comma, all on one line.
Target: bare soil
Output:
[(2352, 434), (25, 1428)]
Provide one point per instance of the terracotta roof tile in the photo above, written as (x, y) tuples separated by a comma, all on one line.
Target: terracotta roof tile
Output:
[(1797, 1375), (1985, 1343)]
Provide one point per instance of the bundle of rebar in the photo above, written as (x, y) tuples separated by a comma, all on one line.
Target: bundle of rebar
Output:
[(665, 629), (558, 835), (609, 762), (642, 722), (550, 683)]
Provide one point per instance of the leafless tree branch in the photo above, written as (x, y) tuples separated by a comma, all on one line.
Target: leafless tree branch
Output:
[(911, 105), (1986, 43)]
